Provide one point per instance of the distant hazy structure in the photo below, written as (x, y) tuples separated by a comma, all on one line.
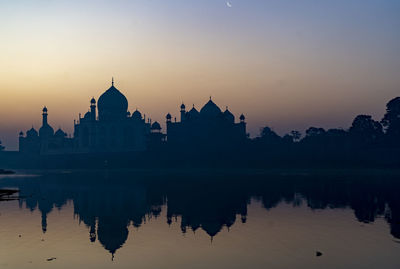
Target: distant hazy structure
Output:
[(209, 128), (45, 141)]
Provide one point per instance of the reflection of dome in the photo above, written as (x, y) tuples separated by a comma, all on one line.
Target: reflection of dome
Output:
[(212, 228), (32, 132), (112, 105), (210, 109), (112, 234), (229, 116), (156, 126), (137, 115), (46, 130)]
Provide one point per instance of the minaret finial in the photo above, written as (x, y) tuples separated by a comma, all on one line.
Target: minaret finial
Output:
[(112, 81)]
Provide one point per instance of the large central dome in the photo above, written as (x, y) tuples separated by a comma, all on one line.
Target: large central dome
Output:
[(112, 105), (210, 109)]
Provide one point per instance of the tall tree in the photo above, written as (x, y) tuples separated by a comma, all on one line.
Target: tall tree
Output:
[(391, 121), (365, 130)]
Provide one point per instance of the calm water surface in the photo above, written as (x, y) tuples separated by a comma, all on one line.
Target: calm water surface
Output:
[(105, 219)]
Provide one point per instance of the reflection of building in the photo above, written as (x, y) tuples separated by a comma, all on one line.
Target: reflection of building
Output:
[(109, 204), (208, 128), (113, 130)]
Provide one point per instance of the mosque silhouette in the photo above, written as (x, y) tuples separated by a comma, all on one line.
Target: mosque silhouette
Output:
[(109, 128)]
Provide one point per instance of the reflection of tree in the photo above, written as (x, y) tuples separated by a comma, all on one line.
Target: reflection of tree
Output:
[(107, 205)]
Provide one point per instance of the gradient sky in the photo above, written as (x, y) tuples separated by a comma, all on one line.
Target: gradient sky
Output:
[(285, 64)]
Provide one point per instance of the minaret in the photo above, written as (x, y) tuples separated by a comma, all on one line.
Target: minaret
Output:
[(183, 112), (44, 121), (93, 109)]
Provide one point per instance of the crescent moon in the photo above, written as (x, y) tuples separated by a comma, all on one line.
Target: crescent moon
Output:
[(228, 4)]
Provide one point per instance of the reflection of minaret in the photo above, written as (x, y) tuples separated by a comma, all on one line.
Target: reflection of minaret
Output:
[(45, 207), (92, 233), (44, 222)]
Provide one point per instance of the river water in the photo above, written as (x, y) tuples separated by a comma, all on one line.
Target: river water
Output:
[(201, 219)]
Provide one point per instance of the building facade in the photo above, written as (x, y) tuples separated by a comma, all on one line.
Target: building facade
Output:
[(208, 129), (106, 127)]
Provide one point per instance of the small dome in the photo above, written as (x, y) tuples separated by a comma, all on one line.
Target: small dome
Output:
[(44, 109), (183, 106), (168, 117), (60, 133), (32, 132), (93, 101), (193, 113), (112, 105), (156, 126), (46, 130), (210, 109), (87, 115), (242, 117), (229, 116), (21, 133), (137, 115)]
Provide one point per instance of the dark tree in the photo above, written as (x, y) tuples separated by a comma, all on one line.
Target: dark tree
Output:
[(268, 139), (287, 139), (365, 130), (268, 133), (314, 131), (314, 138), (391, 121), (336, 138), (296, 135), (268, 136)]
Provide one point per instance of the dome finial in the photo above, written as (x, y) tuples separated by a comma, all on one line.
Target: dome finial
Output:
[(112, 81)]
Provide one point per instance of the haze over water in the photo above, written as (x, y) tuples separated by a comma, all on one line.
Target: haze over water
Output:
[(287, 64)]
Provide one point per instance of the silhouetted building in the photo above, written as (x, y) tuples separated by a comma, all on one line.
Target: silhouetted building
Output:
[(108, 126), (209, 128), (46, 140), (112, 130)]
